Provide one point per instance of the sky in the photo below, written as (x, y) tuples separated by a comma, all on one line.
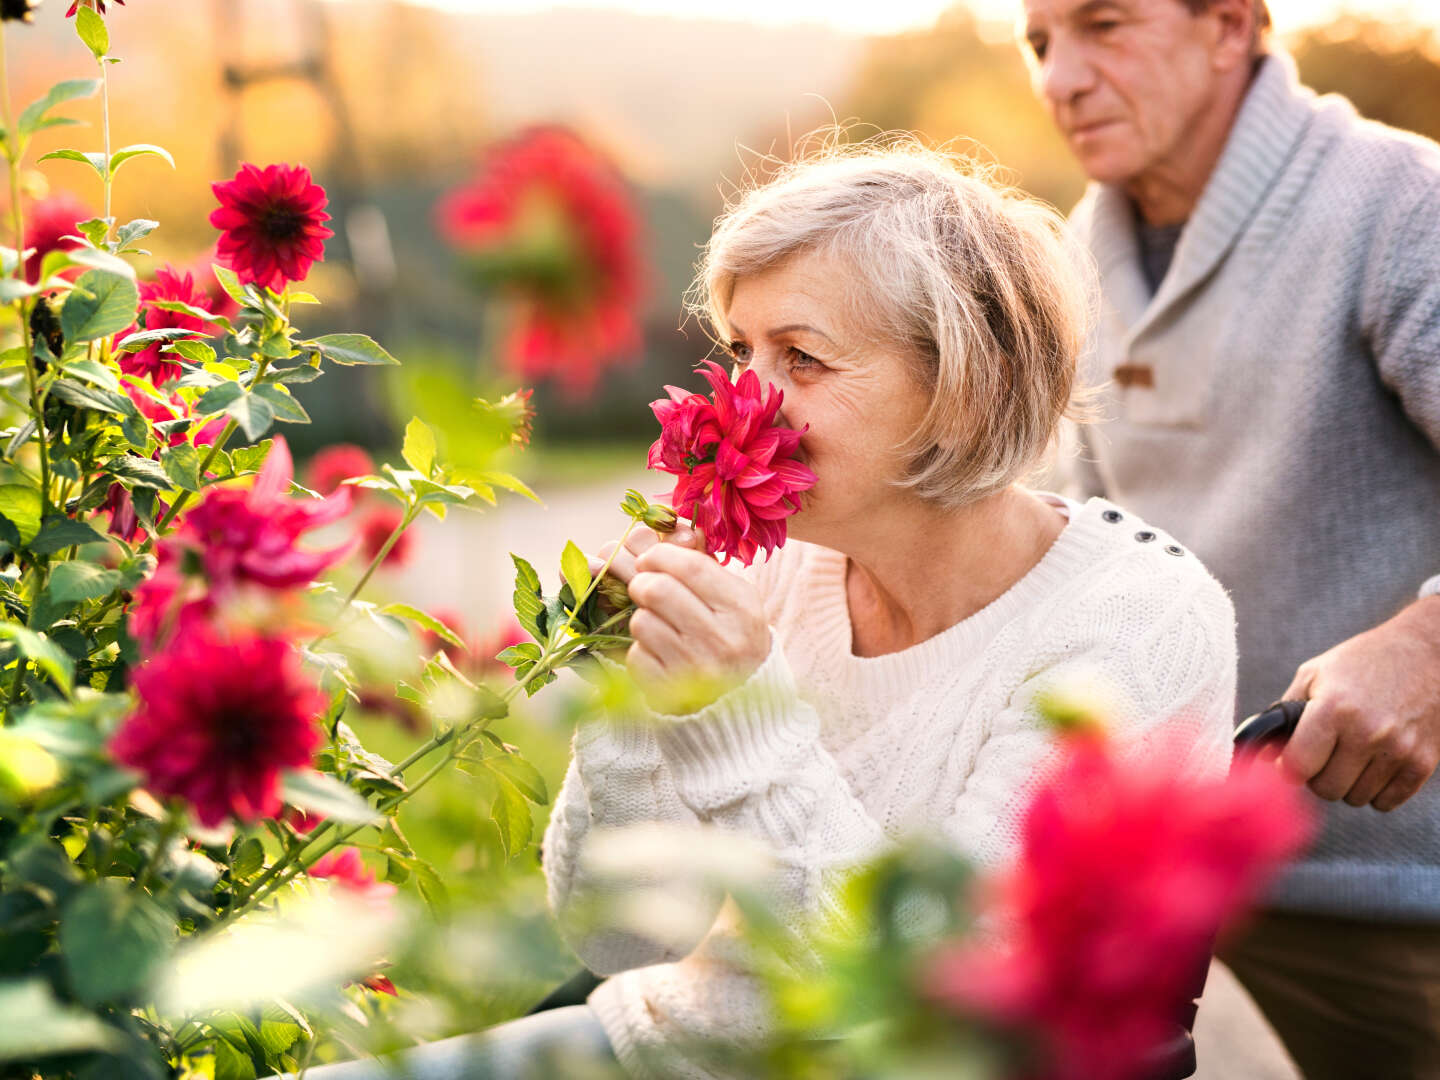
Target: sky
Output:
[(888, 16)]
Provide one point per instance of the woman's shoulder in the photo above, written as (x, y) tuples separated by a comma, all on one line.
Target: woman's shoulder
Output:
[(1132, 579)]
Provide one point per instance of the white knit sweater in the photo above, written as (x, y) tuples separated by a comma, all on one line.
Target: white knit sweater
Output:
[(828, 757)]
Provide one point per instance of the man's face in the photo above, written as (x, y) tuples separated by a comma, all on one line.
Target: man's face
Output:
[(1124, 80)]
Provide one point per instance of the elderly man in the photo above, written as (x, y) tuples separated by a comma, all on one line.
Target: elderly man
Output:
[(1270, 339)]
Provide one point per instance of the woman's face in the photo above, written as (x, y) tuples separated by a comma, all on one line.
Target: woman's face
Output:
[(792, 326)]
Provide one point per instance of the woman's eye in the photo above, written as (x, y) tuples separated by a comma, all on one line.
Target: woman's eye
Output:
[(801, 359), (739, 352)]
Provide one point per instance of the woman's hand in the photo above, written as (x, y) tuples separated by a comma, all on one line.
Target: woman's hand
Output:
[(698, 629)]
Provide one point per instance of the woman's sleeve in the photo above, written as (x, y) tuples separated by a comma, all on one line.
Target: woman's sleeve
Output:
[(753, 762)]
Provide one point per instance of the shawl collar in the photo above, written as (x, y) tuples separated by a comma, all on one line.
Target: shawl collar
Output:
[(1270, 122)]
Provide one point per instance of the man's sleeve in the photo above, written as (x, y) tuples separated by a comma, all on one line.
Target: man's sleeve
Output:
[(1400, 307)]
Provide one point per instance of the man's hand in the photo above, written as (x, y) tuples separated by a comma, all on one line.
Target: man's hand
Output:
[(1371, 728)]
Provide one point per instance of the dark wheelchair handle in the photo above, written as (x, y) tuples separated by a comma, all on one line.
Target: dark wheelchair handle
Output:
[(1273, 727)]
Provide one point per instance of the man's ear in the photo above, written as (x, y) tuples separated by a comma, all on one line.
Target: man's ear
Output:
[(1235, 30)]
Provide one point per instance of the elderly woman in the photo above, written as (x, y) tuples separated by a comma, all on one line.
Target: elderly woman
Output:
[(923, 325)]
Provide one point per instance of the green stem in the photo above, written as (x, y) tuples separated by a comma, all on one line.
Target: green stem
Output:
[(12, 137), (105, 128), (411, 513)]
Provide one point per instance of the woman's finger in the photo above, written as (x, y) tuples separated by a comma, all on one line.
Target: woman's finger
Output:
[(662, 641), (669, 597), (644, 665)]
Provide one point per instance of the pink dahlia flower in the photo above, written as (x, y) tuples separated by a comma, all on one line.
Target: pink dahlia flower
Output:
[(271, 224), (376, 527), (738, 477), (150, 362), (1127, 871), (252, 535), (48, 223), (97, 4), (218, 719)]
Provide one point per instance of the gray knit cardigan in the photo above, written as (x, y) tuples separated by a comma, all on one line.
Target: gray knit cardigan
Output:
[(1289, 435)]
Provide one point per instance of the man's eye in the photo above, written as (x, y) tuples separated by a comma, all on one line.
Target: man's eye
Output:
[(1104, 26), (1037, 46)]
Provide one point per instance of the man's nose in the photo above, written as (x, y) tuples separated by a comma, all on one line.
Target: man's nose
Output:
[(1065, 74)]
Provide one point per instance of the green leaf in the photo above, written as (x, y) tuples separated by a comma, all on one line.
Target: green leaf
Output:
[(20, 505), (528, 600), (140, 471), (59, 93), (418, 449), (506, 481), (425, 620), (324, 795), (248, 459), (58, 533), (576, 568), (113, 940), (527, 652), (253, 413), (131, 231), (12, 289), (194, 312), (219, 398), (37, 1024), (182, 465), (93, 397), (352, 349), (76, 580), (96, 372), (127, 153), (523, 775), (90, 28), (143, 339), (247, 857), (286, 407), (94, 160), (512, 817), (95, 230), (110, 305), (55, 261), (231, 284), (197, 352), (302, 298)]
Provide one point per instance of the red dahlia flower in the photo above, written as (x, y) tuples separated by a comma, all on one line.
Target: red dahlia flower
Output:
[(549, 221), (252, 535), (1128, 869), (271, 224), (218, 719), (332, 466), (78, 4), (150, 362), (738, 477), (48, 222)]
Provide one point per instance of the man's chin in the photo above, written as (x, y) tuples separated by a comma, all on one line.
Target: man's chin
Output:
[(1108, 167)]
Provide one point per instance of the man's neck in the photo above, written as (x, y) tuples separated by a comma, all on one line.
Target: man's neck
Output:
[(1167, 193)]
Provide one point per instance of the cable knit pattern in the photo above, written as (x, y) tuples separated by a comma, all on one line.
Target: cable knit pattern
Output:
[(828, 757), (1290, 435)]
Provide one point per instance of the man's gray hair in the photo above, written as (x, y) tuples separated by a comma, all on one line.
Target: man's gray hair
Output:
[(978, 283)]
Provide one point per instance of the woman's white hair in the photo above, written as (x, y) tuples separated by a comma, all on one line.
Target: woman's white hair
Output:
[(976, 281)]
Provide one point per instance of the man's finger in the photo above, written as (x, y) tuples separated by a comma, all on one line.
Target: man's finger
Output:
[(1373, 780), (1308, 752), (1406, 782)]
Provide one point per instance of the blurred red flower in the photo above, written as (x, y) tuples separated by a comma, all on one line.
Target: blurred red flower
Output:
[(345, 868), (217, 720), (48, 222), (271, 224), (78, 4), (738, 477), (1128, 869), (335, 464), (508, 633), (150, 362), (375, 528), (549, 221), (252, 534)]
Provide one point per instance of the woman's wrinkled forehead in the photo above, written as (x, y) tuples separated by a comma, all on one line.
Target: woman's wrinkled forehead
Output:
[(819, 290)]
